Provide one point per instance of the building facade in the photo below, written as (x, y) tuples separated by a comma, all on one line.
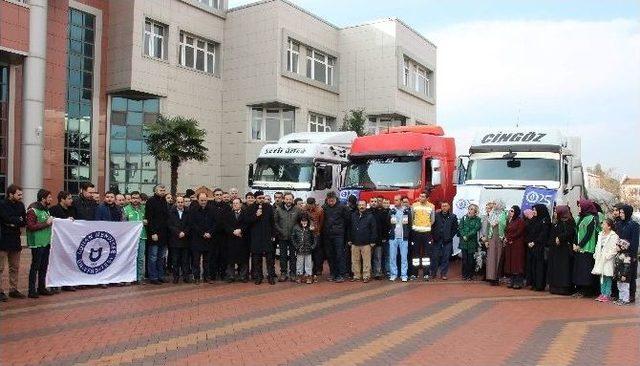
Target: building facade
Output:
[(248, 74)]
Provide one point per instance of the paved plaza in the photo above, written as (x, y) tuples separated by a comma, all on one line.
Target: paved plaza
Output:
[(380, 323)]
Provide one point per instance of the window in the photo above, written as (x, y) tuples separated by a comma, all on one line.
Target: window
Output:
[(271, 124), (197, 53), (320, 67), (154, 38), (4, 126), (79, 113), (132, 168), (376, 125), (417, 77), (211, 3), (293, 56), (320, 123)]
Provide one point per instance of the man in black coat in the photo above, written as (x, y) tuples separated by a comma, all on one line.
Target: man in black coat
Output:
[(363, 235), (334, 226), (12, 219), (85, 204), (262, 232), (157, 215), (202, 226), (179, 241), (217, 255), (237, 246), (64, 210), (445, 228)]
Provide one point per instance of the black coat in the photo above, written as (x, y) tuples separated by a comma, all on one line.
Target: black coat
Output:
[(445, 227), (560, 259), (85, 208), (157, 216), (178, 225), (60, 212), (363, 229), (383, 224), (236, 248), (13, 216), (201, 221), (262, 228), (336, 220)]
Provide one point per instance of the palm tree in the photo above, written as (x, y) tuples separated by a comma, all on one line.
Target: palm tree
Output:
[(176, 139)]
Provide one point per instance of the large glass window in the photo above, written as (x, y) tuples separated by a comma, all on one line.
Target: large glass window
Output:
[(4, 127), (278, 172), (417, 77), (154, 39), (320, 123), (384, 173), (375, 125), (197, 53), (132, 168), (211, 3), (80, 89), (514, 169), (320, 67), (293, 56), (271, 124)]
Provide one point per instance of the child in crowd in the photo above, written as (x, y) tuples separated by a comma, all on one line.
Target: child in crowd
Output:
[(606, 250), (304, 243), (622, 271), (468, 230)]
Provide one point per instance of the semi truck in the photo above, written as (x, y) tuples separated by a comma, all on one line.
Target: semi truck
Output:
[(309, 164), (505, 164), (404, 160)]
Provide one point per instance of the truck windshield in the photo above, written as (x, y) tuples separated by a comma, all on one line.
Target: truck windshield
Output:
[(387, 172), (284, 170), (514, 169)]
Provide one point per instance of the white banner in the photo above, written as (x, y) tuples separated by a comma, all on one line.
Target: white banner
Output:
[(92, 252)]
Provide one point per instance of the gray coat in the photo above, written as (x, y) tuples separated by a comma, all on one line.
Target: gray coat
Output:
[(285, 220)]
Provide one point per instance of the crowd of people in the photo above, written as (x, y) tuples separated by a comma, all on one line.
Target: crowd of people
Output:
[(195, 238)]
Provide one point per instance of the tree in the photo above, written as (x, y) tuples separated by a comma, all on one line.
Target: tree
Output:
[(354, 121), (176, 140), (606, 179)]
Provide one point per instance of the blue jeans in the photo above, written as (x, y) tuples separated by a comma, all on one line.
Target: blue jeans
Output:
[(440, 261), (335, 246), (394, 245), (142, 245), (156, 261)]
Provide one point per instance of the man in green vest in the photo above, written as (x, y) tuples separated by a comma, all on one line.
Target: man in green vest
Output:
[(39, 239), (135, 212)]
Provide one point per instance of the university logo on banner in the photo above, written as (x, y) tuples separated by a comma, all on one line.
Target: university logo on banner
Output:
[(92, 252), (345, 193), (536, 195)]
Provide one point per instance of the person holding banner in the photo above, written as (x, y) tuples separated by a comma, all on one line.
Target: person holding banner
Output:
[(588, 228), (85, 204), (39, 223), (157, 214), (134, 212), (64, 210)]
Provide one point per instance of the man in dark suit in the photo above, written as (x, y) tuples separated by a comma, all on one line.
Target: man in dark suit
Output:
[(157, 215), (179, 241)]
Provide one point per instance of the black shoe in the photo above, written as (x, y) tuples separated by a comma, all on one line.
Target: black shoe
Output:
[(244, 280), (162, 280), (230, 280), (258, 281), (188, 280), (155, 282), (33, 295), (68, 288), (16, 294), (272, 280), (176, 279), (282, 278), (3, 297), (45, 292)]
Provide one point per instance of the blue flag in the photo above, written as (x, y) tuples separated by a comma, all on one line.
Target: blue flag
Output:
[(536, 195)]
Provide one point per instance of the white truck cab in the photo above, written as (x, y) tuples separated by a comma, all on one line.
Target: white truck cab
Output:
[(309, 164), (502, 163)]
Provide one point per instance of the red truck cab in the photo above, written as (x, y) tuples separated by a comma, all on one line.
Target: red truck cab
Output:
[(404, 160)]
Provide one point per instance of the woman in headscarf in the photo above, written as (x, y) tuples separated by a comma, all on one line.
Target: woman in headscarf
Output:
[(514, 251), (527, 216), (629, 230), (584, 248), (560, 261), (540, 226), (494, 229)]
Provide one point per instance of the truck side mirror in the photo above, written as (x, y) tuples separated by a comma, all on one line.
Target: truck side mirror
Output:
[(250, 175), (436, 173), (461, 170)]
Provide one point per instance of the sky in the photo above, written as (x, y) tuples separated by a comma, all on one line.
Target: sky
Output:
[(571, 65)]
